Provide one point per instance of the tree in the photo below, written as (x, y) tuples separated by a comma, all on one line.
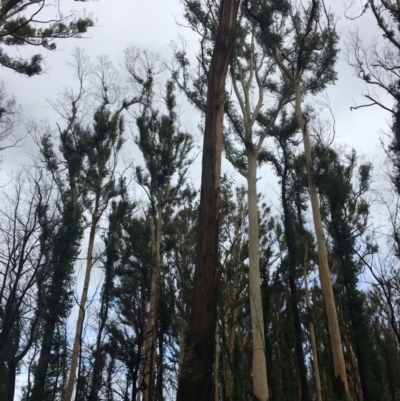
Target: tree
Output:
[(377, 65), (342, 185), (130, 296), (27, 219), (233, 308), (10, 119), (165, 149), (284, 134), (195, 382), (308, 65), (180, 225), (66, 168), (119, 212), (103, 144), (253, 67), (20, 26), (385, 343)]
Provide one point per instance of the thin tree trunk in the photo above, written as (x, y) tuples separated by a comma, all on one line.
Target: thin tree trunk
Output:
[(158, 393), (278, 362), (98, 363), (181, 337), (196, 382), (259, 371), (229, 338), (150, 340), (298, 340), (59, 276), (341, 387), (216, 365), (82, 304), (356, 375), (290, 237), (318, 387)]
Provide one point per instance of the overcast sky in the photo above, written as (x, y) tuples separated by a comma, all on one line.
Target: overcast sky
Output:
[(151, 25)]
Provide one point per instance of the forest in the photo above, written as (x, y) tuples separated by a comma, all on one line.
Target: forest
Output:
[(197, 227)]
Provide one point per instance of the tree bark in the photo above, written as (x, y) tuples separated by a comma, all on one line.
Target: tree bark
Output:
[(61, 265), (290, 237), (341, 387), (318, 387), (98, 364), (196, 381), (150, 341), (82, 304), (216, 365), (259, 371)]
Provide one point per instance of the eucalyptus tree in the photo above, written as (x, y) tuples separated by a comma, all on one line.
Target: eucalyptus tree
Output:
[(254, 80), (232, 380), (284, 162), (103, 144), (120, 217), (65, 167), (306, 57), (343, 185), (130, 295), (179, 234), (195, 382), (233, 309), (84, 176), (166, 152), (252, 77)]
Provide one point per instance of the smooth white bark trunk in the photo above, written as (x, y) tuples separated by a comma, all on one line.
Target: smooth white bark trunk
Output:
[(260, 384), (318, 386), (324, 273)]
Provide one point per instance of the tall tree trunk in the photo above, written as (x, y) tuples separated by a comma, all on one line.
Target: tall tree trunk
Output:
[(182, 330), (341, 386), (82, 304), (216, 365), (38, 390), (229, 339), (12, 372), (318, 387), (196, 382), (98, 363), (61, 259), (158, 391), (259, 372), (290, 237), (150, 340)]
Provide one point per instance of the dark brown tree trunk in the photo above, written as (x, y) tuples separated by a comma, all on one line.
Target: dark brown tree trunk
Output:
[(38, 390), (196, 379), (12, 372)]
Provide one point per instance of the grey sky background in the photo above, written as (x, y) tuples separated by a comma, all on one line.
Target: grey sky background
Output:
[(151, 25)]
